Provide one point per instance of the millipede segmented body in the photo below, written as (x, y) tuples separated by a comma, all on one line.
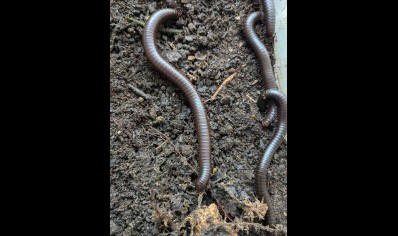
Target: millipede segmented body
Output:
[(264, 61), (189, 91), (269, 16), (276, 140), (271, 98)]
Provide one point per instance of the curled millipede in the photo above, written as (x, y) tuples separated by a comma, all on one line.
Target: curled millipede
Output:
[(274, 99), (276, 140), (266, 71)]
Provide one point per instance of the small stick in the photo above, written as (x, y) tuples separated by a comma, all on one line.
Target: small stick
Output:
[(139, 92), (118, 125), (219, 205), (171, 143), (168, 139), (225, 82), (200, 198), (161, 145), (170, 31), (251, 99), (161, 29), (138, 22)]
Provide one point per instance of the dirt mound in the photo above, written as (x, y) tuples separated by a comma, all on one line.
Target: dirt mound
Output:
[(153, 142)]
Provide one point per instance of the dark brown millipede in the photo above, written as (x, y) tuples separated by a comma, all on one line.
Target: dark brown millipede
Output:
[(269, 16), (266, 71), (276, 140), (279, 105), (182, 82)]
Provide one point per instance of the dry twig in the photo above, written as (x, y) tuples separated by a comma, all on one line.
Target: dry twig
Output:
[(219, 205), (224, 83), (158, 133), (139, 92)]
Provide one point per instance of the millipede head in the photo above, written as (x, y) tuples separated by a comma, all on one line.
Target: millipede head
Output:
[(265, 123)]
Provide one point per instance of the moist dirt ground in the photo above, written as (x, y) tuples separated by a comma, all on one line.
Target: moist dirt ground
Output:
[(153, 155)]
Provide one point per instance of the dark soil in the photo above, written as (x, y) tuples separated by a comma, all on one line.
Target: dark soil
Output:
[(153, 152)]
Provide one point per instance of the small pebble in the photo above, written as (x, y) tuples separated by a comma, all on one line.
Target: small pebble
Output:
[(191, 27), (201, 89), (232, 70), (232, 189), (189, 38), (225, 100), (173, 56), (113, 162), (228, 128), (152, 7), (243, 195)]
